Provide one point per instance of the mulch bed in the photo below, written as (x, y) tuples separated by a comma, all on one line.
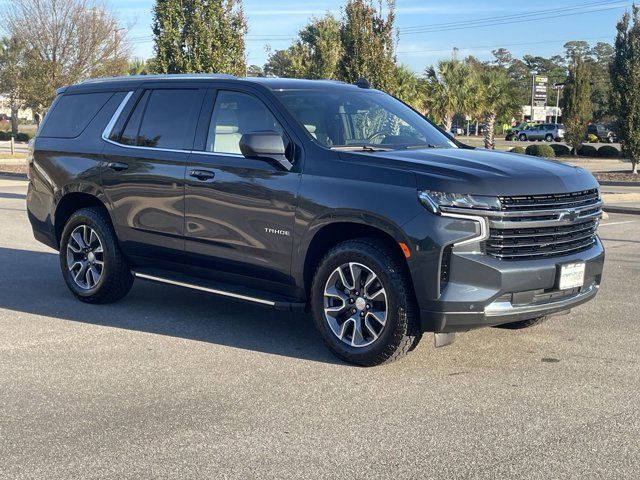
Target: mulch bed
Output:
[(617, 176), (13, 168)]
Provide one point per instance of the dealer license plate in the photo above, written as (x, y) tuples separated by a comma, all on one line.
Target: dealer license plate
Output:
[(571, 275)]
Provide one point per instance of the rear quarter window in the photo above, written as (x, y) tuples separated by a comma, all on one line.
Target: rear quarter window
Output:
[(72, 113)]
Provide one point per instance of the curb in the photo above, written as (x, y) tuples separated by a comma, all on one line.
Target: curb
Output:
[(18, 176), (613, 183), (620, 209)]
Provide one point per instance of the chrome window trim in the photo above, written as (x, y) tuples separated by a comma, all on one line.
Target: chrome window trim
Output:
[(114, 118), (116, 115)]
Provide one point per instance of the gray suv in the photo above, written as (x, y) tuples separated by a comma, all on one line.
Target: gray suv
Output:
[(545, 131), (307, 195)]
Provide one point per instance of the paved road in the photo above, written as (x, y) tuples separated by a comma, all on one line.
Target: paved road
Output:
[(171, 383)]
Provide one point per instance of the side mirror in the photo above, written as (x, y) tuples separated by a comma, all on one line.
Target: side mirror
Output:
[(265, 145)]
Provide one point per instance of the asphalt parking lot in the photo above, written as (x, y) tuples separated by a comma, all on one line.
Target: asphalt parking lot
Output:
[(172, 383)]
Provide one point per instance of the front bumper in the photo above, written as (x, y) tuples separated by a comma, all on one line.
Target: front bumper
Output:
[(485, 291)]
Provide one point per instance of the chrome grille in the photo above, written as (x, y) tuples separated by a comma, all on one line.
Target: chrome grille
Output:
[(560, 200), (535, 226)]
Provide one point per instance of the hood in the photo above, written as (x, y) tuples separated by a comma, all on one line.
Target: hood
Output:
[(485, 172)]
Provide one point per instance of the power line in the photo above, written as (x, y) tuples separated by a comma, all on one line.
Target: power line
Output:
[(507, 17), (501, 45), (498, 23)]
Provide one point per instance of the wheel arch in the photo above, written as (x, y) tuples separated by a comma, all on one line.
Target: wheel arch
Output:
[(71, 202), (324, 237)]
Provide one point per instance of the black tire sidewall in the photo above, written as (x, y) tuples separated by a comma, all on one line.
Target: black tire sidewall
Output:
[(87, 217)]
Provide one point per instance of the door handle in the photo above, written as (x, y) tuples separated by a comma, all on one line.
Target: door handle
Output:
[(117, 166), (202, 174)]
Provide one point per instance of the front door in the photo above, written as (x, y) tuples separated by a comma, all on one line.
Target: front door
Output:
[(239, 212)]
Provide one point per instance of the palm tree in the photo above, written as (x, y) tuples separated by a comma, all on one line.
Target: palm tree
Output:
[(498, 99), (408, 87), (447, 91)]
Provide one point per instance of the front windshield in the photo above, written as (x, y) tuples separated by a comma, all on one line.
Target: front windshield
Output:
[(351, 119)]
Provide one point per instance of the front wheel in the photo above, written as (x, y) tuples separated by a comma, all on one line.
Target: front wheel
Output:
[(363, 304), (523, 138), (92, 265), (549, 138), (532, 322)]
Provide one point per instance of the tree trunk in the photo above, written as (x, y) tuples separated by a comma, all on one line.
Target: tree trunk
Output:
[(447, 122), (477, 128), (634, 166), (14, 120), (489, 134)]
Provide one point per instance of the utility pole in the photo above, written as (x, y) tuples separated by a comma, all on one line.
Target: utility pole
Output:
[(557, 87), (533, 89)]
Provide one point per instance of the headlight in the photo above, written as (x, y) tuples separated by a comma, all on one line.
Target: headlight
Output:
[(434, 200)]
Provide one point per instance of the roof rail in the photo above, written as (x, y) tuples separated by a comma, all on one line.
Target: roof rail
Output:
[(169, 76)]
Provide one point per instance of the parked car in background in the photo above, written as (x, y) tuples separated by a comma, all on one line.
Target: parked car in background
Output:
[(482, 127), (512, 133), (548, 132), (602, 133)]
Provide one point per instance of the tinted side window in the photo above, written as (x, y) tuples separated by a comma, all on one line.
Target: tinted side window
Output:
[(235, 114), (130, 133), (72, 114), (169, 119)]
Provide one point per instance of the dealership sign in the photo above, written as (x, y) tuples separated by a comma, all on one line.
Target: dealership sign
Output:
[(540, 91)]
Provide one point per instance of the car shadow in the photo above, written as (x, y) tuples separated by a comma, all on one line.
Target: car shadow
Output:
[(31, 282), (19, 196)]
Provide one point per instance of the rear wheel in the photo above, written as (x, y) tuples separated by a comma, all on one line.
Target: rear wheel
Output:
[(92, 265), (549, 138), (532, 322), (363, 304)]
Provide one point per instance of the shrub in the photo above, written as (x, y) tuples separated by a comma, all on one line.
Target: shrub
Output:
[(587, 151), (561, 150), (23, 137), (608, 151), (4, 136), (591, 138), (540, 151), (518, 150)]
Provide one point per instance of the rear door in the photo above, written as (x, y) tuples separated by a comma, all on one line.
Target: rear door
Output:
[(144, 167), (239, 212)]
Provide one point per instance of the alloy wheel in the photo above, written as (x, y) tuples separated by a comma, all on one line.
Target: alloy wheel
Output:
[(355, 304), (85, 257)]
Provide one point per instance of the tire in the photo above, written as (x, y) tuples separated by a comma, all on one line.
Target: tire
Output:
[(548, 138), (531, 322), (523, 137), (363, 258), (107, 277)]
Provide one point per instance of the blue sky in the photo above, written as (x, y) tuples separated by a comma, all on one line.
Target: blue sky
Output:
[(275, 23)]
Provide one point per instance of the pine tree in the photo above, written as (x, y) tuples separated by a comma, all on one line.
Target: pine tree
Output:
[(368, 40), (577, 104), (625, 80), (195, 36)]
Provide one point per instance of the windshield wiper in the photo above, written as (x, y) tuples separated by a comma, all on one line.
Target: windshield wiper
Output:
[(361, 148), (422, 145)]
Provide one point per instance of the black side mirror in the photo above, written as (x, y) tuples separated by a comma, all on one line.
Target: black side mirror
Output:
[(265, 145)]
